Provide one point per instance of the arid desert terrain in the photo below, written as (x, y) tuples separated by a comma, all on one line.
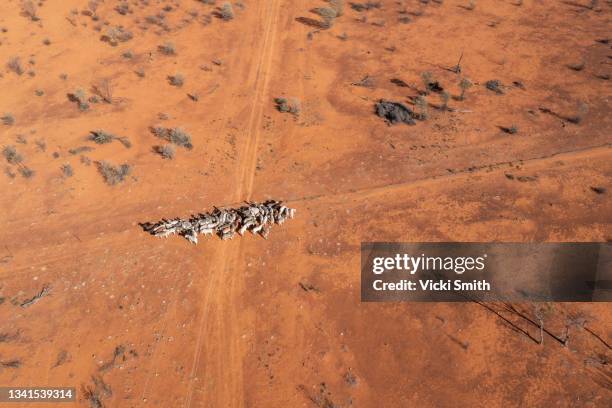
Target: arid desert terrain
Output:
[(116, 113)]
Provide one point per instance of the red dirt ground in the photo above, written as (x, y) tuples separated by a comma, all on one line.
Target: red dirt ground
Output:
[(226, 323)]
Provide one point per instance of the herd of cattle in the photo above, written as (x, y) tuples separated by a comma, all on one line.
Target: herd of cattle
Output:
[(225, 223)]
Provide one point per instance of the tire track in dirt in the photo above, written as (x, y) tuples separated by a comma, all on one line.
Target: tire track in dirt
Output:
[(224, 290), (359, 194), (247, 172), (87, 235)]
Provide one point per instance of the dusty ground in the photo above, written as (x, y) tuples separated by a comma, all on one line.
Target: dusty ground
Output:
[(131, 321)]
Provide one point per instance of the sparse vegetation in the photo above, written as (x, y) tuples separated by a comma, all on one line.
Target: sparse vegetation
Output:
[(11, 155), (576, 66), (166, 151), (583, 109), (92, 8), (394, 112), (289, 105), (123, 8), (511, 130), (226, 12), (465, 84), (29, 10), (445, 96), (368, 5), (7, 119), (176, 80), (431, 85), (113, 174), (41, 144), (105, 90), (421, 102), (80, 97), (598, 190), (103, 137), (495, 85), (67, 170), (167, 48), (337, 6), (26, 172), (176, 136), (327, 14), (80, 149), (14, 64), (116, 35)]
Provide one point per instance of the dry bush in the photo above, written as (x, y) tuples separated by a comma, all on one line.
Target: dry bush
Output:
[(41, 144), (226, 12), (26, 172), (421, 102), (166, 151), (15, 65), (289, 105), (105, 90), (369, 5), (11, 155), (80, 149), (92, 7), (326, 12), (176, 80), (583, 109), (465, 84), (167, 48), (101, 137), (495, 85), (176, 136), (116, 35), (8, 119), (80, 97), (123, 8), (113, 174), (67, 170), (445, 96), (337, 6), (29, 10)]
